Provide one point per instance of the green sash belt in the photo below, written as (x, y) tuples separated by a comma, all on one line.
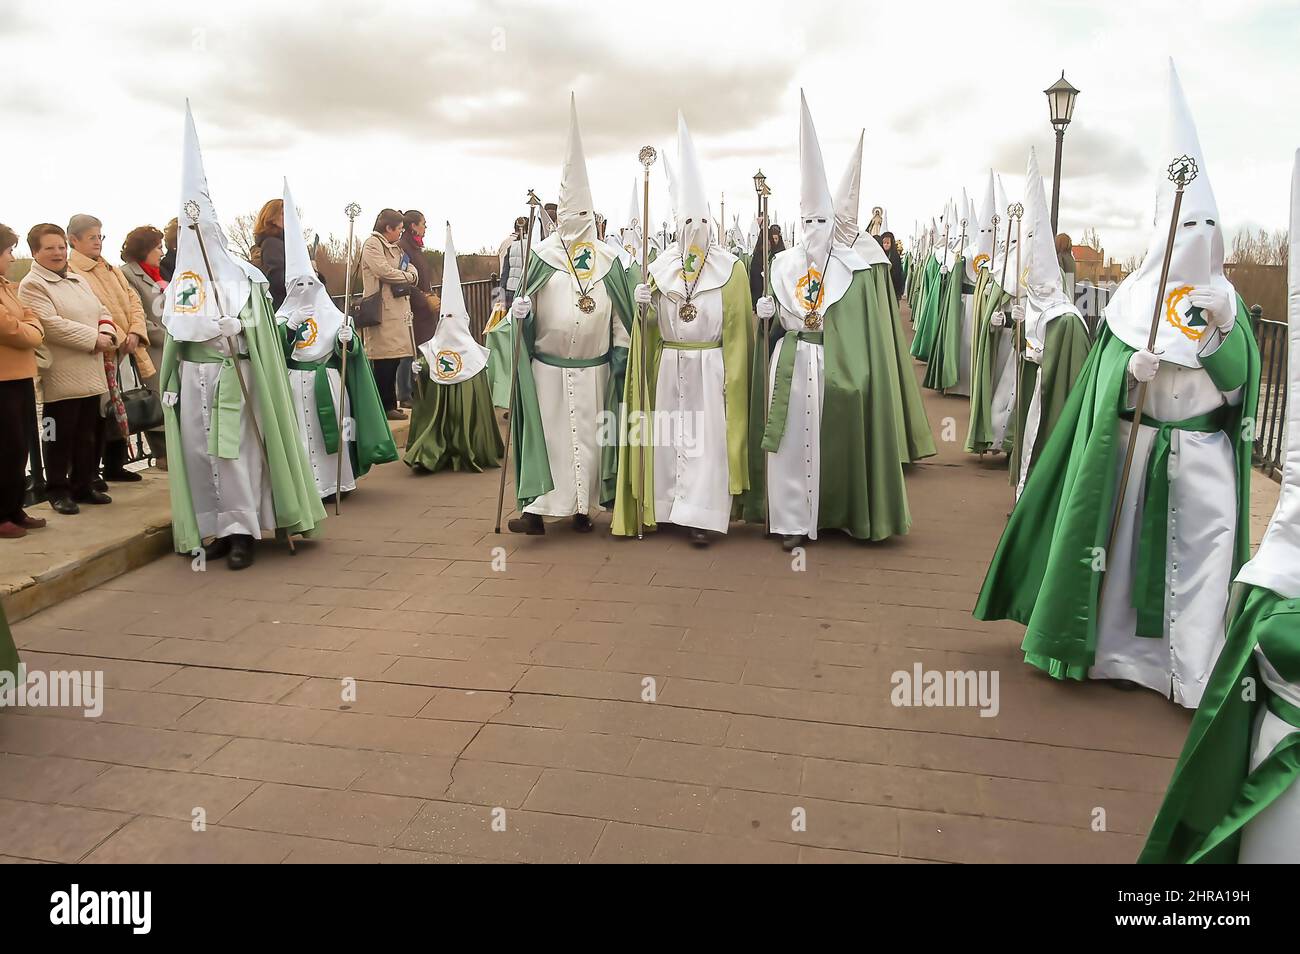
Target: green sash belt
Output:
[(780, 407), (691, 345), (326, 412), (1261, 787), (1153, 538), (555, 361), (223, 437)]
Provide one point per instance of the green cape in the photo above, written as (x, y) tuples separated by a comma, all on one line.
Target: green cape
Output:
[(532, 467), (925, 321), (1071, 491), (1064, 352), (8, 651), (372, 441), (862, 490), (989, 297), (1213, 793), (499, 340), (453, 426), (944, 364), (917, 440), (293, 490), (737, 351)]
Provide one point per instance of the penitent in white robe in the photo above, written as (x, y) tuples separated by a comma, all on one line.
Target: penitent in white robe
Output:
[(1202, 527), (324, 465), (691, 477), (230, 496), (794, 471), (571, 400), (1272, 836), (962, 387)]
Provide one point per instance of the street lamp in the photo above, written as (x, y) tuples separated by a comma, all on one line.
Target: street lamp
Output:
[(1060, 103)]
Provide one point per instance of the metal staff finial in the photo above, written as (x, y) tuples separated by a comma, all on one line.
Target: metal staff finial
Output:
[(1182, 171), (1016, 210), (191, 210), (352, 210), (647, 156)]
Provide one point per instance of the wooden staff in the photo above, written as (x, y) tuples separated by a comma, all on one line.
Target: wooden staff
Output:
[(534, 204), (1017, 211), (647, 156), (1181, 172)]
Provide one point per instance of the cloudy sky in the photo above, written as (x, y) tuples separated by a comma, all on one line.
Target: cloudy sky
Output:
[(457, 108)]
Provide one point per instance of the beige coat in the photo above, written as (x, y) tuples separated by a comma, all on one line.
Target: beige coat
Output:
[(110, 287), (379, 272), (73, 319)]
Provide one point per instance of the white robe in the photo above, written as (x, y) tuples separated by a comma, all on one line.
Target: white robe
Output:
[(794, 471), (1003, 370), (324, 465), (691, 477), (962, 387), (571, 399), (1202, 528), (229, 496), (1272, 836)]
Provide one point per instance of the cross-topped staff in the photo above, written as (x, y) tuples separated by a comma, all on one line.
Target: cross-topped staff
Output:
[(191, 209), (1016, 211), (1181, 172), (516, 333), (646, 156), (351, 210)]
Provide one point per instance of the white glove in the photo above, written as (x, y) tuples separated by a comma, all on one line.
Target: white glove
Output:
[(346, 334), (998, 320), (170, 399), (1017, 313), (765, 307), (1033, 353), (228, 327), (642, 294), (521, 307), (296, 320), (1143, 366), (1216, 305), (417, 367)]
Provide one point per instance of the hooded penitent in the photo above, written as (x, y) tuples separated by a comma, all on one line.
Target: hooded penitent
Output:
[(1044, 289), (1197, 254), (846, 211), (452, 354), (981, 248), (197, 297), (304, 292)]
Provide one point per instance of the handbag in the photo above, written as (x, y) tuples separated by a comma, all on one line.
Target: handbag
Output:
[(369, 311), (144, 410)]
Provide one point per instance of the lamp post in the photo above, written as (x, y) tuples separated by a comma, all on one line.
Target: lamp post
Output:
[(1060, 103)]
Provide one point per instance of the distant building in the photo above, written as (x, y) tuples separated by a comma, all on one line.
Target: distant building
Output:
[(1089, 266)]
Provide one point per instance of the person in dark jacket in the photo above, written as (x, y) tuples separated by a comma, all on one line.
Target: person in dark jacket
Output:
[(424, 304), (167, 265), (268, 248), (890, 245), (775, 244)]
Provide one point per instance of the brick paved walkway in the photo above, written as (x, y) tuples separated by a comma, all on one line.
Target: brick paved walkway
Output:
[(517, 696)]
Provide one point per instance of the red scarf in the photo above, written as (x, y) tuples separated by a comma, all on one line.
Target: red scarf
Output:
[(154, 272)]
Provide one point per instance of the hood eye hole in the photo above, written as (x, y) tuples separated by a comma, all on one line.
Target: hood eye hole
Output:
[(1209, 221), (1189, 224)]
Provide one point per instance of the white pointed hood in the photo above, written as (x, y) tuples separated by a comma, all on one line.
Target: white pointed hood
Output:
[(846, 211), (817, 271), (1046, 297), (452, 355), (1197, 254), (980, 242), (305, 295), (751, 236), (196, 299), (1007, 242), (575, 217), (696, 261), (1276, 564)]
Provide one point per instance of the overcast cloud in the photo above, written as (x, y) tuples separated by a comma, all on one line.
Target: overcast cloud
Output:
[(457, 108)]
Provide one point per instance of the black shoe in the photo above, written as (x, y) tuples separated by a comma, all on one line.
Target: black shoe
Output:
[(64, 504), (581, 523), (217, 548), (93, 497), (790, 541), (122, 477), (241, 552), (100, 484), (700, 538), (529, 523)]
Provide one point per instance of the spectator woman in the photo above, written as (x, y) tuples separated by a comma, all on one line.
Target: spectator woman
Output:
[(1065, 258), (168, 264), (142, 255), (424, 303), (79, 331), (383, 274), (268, 248), (890, 245), (21, 333)]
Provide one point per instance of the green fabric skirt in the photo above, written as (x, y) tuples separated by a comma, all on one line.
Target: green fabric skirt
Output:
[(8, 651), (453, 426)]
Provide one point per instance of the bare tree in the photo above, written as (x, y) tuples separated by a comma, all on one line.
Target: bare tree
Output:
[(240, 234), (1091, 238), (1261, 247)]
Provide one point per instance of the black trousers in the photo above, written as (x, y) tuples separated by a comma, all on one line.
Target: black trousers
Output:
[(72, 456), (386, 380), (17, 430)]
